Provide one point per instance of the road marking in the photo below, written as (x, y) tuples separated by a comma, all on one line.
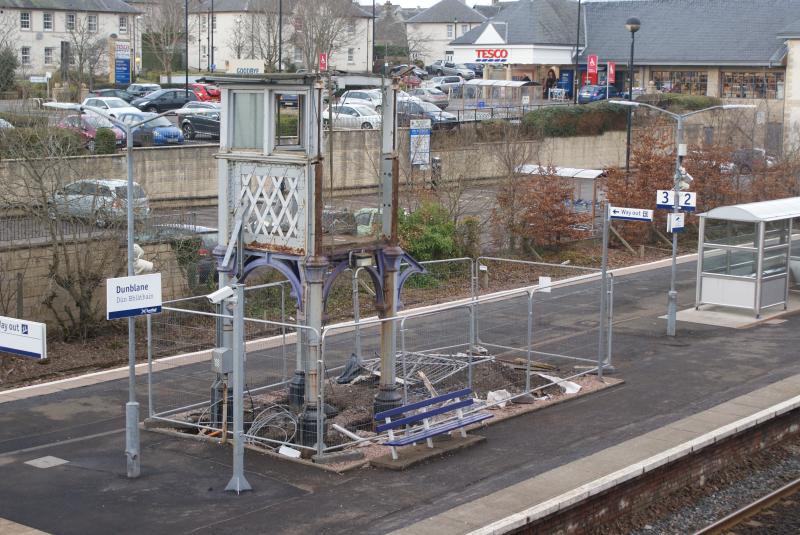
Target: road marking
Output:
[(47, 462), (61, 443)]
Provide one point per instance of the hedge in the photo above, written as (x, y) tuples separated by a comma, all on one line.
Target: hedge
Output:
[(566, 121)]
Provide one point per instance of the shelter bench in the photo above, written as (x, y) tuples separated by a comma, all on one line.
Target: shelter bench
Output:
[(428, 430)]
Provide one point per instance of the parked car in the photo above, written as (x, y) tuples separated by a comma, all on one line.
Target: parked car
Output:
[(416, 71), (203, 122), (140, 90), (288, 101), (189, 238), (592, 93), (441, 67), (98, 200), (432, 95), (112, 106), (745, 160), (477, 68), (119, 93), (5, 125), (372, 98), (205, 92), (417, 109), (447, 84), (199, 105), (164, 100), (86, 126), (352, 116), (159, 131), (411, 81)]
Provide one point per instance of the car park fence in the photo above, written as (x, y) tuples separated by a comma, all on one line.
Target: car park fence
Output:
[(525, 341)]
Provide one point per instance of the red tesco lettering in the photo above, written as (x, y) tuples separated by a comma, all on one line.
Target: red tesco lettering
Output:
[(491, 53)]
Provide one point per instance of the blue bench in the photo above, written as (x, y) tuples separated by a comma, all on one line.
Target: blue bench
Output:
[(452, 402)]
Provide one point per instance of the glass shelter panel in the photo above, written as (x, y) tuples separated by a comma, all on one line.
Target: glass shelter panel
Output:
[(733, 233), (247, 120), (734, 262), (776, 233)]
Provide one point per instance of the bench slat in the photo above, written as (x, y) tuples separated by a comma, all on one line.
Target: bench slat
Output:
[(421, 416), (438, 430), (420, 404)]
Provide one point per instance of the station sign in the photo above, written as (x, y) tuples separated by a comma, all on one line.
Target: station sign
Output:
[(23, 338), (629, 214), (491, 55), (122, 63), (133, 296), (676, 222), (687, 200), (420, 142)]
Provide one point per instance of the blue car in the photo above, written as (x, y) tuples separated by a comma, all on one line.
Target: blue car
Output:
[(156, 132), (592, 93)]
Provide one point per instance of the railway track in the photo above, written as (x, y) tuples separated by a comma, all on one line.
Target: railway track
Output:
[(736, 518)]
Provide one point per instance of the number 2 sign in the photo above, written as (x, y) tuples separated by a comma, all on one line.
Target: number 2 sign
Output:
[(687, 200)]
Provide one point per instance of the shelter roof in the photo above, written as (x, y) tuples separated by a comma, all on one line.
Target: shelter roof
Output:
[(757, 212)]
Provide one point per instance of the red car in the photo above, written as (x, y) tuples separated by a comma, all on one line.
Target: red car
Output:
[(206, 92), (87, 125)]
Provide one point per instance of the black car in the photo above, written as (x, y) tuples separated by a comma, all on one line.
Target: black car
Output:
[(417, 109), (164, 100), (477, 68), (204, 123), (140, 90), (119, 93)]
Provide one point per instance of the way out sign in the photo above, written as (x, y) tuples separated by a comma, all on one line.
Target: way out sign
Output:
[(687, 200), (629, 214), (23, 338), (133, 296)]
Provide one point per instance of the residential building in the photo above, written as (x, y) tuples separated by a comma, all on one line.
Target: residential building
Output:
[(37, 29), (431, 32), (248, 30)]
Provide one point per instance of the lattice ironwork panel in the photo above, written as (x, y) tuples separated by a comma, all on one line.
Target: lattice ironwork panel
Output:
[(274, 199)]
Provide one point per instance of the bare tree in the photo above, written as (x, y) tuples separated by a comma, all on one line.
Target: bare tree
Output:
[(8, 29), (321, 27), (88, 49), (165, 25), (237, 39), (264, 32)]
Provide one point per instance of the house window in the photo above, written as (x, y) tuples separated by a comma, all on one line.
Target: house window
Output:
[(72, 58), (298, 54), (25, 20), (686, 82), (49, 54), (91, 23), (756, 85), (25, 55), (464, 29), (203, 23), (213, 23), (203, 50), (449, 30), (351, 52), (351, 27), (123, 24), (70, 21), (47, 22)]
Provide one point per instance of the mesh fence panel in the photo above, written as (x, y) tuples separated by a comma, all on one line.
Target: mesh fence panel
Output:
[(499, 274), (443, 282)]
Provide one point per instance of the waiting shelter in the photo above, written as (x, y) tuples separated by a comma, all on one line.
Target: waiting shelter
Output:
[(745, 255)]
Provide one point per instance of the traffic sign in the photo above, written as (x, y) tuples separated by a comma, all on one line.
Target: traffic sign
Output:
[(687, 200), (630, 214), (676, 222), (133, 296), (24, 338)]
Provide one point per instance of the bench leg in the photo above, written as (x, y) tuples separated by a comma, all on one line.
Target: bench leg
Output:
[(460, 414), (394, 453), (391, 438), (426, 424)]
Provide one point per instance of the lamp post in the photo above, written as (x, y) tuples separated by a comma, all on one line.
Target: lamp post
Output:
[(632, 25), (186, 43), (678, 185), (280, 35), (212, 29), (372, 65), (576, 77)]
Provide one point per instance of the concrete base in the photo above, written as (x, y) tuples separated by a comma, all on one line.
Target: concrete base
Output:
[(411, 455), (338, 457), (735, 318)]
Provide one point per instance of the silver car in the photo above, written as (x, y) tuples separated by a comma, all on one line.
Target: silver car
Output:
[(99, 200), (352, 116), (367, 97)]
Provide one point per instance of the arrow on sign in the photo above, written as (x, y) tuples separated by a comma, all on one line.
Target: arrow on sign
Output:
[(630, 214)]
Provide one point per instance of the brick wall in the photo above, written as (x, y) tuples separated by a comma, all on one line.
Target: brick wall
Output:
[(691, 471)]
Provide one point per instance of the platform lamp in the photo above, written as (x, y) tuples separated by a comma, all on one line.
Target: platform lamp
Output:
[(632, 25)]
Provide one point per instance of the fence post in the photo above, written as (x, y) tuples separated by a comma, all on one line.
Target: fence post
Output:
[(20, 295), (238, 482), (610, 306), (529, 343), (403, 358), (283, 330), (471, 343), (150, 411), (320, 445), (357, 315)]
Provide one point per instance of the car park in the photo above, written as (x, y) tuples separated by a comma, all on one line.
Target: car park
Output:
[(745, 160), (140, 90), (157, 131), (352, 116), (477, 68), (432, 95), (372, 98), (417, 109), (87, 125), (112, 106), (164, 100), (205, 92), (98, 200), (118, 93), (415, 71), (199, 122), (451, 85)]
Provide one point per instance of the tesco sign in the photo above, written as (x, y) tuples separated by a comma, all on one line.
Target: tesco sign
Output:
[(491, 55)]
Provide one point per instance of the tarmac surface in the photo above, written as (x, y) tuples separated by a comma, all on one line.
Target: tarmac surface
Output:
[(181, 488)]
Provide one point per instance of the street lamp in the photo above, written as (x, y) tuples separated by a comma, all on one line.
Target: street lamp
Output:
[(575, 78), (186, 42), (632, 25), (678, 185)]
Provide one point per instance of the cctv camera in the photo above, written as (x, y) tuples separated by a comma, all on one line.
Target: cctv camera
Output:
[(220, 295)]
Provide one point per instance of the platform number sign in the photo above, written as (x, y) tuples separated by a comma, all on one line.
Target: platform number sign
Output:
[(687, 200)]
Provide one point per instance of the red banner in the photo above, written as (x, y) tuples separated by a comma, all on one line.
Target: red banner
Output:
[(323, 62), (612, 72), (591, 66)]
